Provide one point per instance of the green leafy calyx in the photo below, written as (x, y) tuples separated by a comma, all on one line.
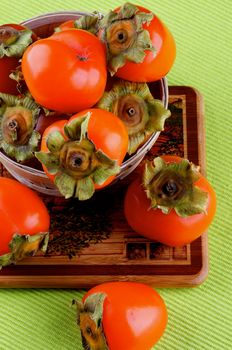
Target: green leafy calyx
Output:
[(125, 37), (90, 321), (14, 42), (18, 117), (134, 104), (90, 23), (22, 246), (171, 186), (75, 162)]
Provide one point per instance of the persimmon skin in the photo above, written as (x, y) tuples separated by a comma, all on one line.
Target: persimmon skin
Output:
[(105, 130), (134, 315), (8, 65), (67, 71), (67, 25), (170, 229), (21, 211), (154, 66)]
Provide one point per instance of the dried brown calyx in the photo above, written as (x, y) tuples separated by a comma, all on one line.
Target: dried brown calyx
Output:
[(18, 117), (136, 107), (125, 37), (172, 186), (89, 319), (14, 42), (75, 162)]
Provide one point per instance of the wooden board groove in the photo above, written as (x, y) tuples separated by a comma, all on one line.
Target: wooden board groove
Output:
[(125, 255)]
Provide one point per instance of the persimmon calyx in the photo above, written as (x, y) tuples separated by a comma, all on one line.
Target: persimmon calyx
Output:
[(141, 113), (89, 319), (171, 186), (14, 42), (18, 117), (75, 162), (125, 37), (18, 77), (22, 246), (90, 23)]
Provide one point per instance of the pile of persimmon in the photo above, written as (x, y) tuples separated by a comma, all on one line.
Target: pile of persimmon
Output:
[(79, 100), (77, 103)]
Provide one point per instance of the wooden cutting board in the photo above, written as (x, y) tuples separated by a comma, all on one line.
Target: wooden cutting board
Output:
[(120, 254)]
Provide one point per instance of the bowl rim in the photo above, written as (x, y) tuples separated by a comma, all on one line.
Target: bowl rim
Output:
[(45, 17)]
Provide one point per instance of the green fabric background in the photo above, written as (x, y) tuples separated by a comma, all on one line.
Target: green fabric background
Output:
[(199, 318)]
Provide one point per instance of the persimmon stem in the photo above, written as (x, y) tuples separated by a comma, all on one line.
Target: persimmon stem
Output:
[(13, 125), (131, 112), (13, 129), (170, 188), (122, 36), (82, 58), (77, 161)]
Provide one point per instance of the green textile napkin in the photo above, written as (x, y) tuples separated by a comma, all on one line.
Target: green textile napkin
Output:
[(199, 318)]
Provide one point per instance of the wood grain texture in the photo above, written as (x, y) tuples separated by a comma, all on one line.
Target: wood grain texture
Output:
[(126, 256)]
